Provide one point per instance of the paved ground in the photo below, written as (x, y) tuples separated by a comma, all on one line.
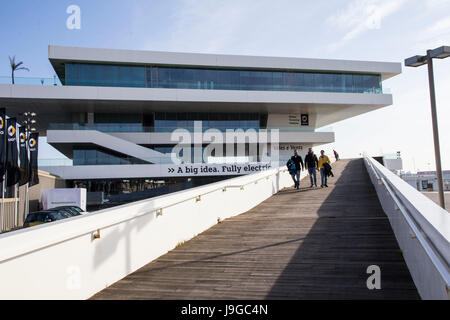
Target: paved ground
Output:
[(299, 244), (435, 197)]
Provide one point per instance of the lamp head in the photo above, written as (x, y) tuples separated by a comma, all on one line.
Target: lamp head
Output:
[(441, 52), (415, 61)]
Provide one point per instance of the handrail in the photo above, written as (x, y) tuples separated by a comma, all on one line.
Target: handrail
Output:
[(96, 229), (432, 251)]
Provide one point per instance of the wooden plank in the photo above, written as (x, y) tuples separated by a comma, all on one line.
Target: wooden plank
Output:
[(299, 244)]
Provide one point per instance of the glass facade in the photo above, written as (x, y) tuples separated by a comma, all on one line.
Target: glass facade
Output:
[(231, 154), (220, 79), (94, 156), (166, 122), (220, 121)]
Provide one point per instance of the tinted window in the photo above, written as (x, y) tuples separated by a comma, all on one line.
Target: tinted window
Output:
[(195, 78), (55, 216), (31, 217)]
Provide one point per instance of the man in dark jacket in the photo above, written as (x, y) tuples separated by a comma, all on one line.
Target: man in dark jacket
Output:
[(298, 161), (311, 163)]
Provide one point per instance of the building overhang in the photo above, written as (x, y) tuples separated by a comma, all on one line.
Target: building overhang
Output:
[(59, 55), (65, 140), (51, 102)]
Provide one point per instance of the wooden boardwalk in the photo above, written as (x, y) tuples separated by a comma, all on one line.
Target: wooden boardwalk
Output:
[(299, 244)]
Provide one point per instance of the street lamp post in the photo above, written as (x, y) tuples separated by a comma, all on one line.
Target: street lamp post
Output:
[(416, 61)]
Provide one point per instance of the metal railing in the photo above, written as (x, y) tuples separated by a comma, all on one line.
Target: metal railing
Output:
[(137, 127), (65, 162), (416, 234), (42, 81)]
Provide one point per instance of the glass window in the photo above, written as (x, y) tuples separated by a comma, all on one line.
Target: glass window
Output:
[(319, 81), (358, 83), (86, 74), (125, 76), (137, 76), (278, 83), (101, 75), (309, 82), (224, 79), (299, 81), (348, 83), (327, 84), (71, 73), (163, 77), (244, 80), (194, 78)]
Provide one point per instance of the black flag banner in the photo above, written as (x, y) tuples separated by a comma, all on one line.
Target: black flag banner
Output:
[(23, 156), (33, 147), (12, 155), (2, 144)]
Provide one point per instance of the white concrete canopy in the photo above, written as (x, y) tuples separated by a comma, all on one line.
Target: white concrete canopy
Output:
[(48, 101), (60, 54)]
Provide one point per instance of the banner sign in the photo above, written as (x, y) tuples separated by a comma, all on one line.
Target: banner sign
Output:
[(23, 156), (216, 169), (2, 144), (33, 148), (124, 171), (12, 155)]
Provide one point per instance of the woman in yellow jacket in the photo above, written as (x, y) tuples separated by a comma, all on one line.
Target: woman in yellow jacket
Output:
[(323, 159)]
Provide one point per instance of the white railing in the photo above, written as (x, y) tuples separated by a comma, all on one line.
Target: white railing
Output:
[(422, 230), (80, 256)]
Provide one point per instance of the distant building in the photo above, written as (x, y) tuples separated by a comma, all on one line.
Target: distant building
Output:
[(427, 180), (393, 162)]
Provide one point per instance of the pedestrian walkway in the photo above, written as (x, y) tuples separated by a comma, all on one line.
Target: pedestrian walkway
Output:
[(299, 244)]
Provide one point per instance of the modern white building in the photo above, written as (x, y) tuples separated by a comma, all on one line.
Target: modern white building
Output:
[(116, 110)]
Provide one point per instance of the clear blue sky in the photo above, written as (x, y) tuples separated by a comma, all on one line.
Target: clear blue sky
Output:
[(388, 30)]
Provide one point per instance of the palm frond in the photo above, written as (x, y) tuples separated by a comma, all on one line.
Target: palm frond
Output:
[(12, 61), (16, 66)]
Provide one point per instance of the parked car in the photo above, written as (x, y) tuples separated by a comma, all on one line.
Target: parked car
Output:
[(41, 217), (72, 210)]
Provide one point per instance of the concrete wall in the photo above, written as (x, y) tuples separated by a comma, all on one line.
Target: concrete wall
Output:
[(80, 256), (422, 230)]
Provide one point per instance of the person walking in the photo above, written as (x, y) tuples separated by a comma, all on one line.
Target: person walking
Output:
[(299, 166), (311, 163), (336, 155), (291, 169), (323, 174)]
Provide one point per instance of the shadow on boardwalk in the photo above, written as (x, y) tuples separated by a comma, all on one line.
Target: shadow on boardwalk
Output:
[(299, 244), (350, 233)]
